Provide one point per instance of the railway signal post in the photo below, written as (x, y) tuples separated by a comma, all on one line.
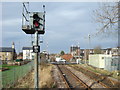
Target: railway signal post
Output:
[(35, 25)]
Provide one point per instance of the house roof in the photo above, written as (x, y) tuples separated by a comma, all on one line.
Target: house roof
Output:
[(27, 48), (67, 56), (6, 49)]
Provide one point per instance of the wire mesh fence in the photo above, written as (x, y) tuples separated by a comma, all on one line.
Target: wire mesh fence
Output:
[(10, 77)]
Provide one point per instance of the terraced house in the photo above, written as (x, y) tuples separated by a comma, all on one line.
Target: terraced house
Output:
[(7, 53)]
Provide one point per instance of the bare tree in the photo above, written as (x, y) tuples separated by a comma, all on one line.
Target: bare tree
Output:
[(108, 16), (97, 50)]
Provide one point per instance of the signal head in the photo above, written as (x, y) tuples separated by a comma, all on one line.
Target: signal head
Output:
[(36, 19), (35, 16)]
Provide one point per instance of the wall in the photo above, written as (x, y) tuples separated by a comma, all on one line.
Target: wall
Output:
[(94, 60), (112, 63), (98, 60), (6, 55), (27, 54)]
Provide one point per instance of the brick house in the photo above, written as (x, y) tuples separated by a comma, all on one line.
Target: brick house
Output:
[(75, 51)]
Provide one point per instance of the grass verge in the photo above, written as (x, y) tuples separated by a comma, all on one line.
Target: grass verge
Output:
[(100, 71)]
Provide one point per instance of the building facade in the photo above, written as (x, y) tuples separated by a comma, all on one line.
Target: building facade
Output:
[(98, 60), (84, 53), (75, 51), (28, 53), (107, 62), (112, 64), (8, 53)]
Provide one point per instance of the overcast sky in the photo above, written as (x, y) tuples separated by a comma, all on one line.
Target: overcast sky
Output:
[(66, 24)]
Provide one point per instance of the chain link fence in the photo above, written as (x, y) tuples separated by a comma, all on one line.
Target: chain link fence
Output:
[(10, 77)]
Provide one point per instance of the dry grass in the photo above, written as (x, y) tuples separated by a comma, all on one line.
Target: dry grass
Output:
[(26, 82), (97, 70), (115, 74), (45, 79)]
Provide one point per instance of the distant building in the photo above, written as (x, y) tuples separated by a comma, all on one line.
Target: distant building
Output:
[(44, 56), (104, 51), (67, 57), (107, 51), (84, 53), (52, 57), (110, 51), (44, 52), (75, 51), (28, 53), (8, 53), (88, 52), (20, 56), (115, 51)]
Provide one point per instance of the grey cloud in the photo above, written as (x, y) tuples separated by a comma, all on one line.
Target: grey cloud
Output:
[(66, 24)]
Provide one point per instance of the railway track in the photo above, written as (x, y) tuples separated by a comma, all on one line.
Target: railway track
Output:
[(71, 80), (103, 80)]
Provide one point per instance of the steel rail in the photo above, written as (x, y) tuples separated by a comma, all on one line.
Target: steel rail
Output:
[(98, 81), (75, 77), (78, 79), (66, 83)]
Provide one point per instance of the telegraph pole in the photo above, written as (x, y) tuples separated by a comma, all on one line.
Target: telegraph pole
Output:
[(89, 41), (88, 46), (87, 54)]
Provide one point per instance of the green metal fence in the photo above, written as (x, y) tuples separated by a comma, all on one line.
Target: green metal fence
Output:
[(10, 77)]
